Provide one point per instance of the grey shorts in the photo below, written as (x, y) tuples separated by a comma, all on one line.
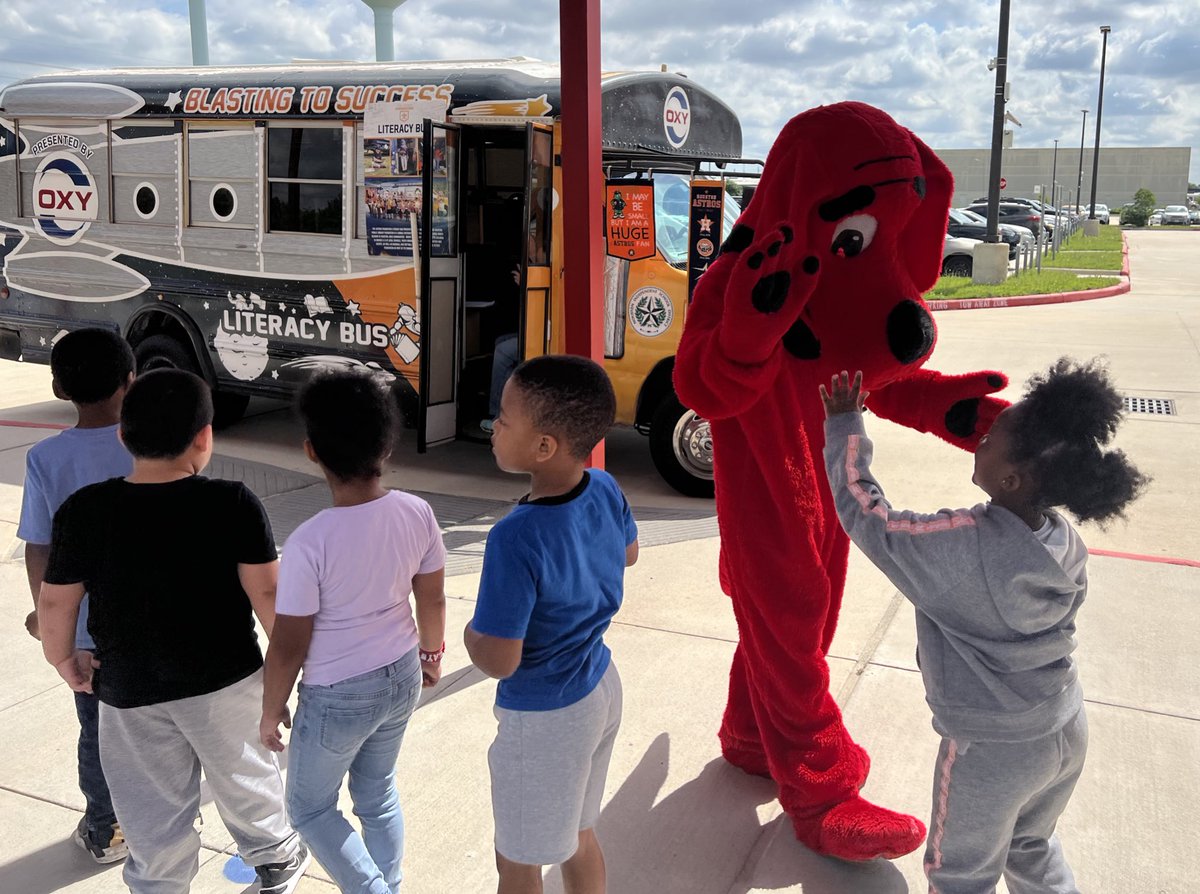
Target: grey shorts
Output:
[(548, 771)]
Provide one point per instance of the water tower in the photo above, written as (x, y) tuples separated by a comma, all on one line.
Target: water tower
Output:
[(383, 9)]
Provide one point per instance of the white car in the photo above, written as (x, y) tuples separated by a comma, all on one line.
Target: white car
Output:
[(1175, 214), (958, 255), (1101, 213), (1156, 217)]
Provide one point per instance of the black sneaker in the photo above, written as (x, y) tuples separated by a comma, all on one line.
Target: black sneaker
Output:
[(103, 848), (282, 878)]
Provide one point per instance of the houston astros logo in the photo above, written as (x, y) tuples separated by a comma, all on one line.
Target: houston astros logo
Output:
[(64, 198)]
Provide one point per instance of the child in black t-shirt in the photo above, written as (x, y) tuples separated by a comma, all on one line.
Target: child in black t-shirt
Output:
[(173, 565)]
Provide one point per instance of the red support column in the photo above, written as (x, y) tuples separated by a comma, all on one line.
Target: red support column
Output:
[(583, 182)]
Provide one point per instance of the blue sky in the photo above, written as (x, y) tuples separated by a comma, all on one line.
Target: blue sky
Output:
[(925, 62)]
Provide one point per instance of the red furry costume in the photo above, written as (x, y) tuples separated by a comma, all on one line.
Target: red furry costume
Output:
[(823, 272)]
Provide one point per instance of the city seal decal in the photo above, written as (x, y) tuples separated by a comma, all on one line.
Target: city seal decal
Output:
[(64, 198), (651, 312)]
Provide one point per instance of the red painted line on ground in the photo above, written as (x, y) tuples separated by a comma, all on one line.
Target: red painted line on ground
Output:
[(1137, 557), (16, 423)]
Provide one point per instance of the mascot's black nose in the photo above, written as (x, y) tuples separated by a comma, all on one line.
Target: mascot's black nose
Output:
[(909, 331)]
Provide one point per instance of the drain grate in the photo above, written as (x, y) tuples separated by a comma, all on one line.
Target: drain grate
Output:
[(1154, 406)]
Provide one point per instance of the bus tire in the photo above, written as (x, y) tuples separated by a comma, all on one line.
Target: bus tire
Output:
[(166, 352), (681, 447)]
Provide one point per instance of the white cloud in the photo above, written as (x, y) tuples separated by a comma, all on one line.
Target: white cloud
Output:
[(923, 61)]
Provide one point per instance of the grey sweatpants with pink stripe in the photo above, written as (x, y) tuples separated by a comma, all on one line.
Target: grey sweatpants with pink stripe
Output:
[(995, 806)]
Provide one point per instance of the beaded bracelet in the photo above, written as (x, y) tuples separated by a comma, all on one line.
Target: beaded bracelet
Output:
[(433, 657)]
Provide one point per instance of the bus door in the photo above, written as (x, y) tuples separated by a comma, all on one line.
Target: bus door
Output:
[(536, 290), (439, 274)]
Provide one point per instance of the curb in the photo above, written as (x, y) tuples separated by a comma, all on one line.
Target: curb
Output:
[(1053, 298)]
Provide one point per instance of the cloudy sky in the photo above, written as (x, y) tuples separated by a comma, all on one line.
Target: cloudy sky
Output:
[(925, 62)]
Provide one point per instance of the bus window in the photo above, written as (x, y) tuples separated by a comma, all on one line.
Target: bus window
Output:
[(223, 176), (304, 176), (143, 174)]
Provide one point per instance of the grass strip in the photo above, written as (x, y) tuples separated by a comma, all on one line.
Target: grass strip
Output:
[(1109, 239), (957, 288), (1084, 260)]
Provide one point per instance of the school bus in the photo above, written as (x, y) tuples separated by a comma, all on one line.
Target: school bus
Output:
[(254, 224)]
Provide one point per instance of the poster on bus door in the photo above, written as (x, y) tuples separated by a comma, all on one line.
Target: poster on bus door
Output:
[(706, 210), (393, 165), (629, 219)]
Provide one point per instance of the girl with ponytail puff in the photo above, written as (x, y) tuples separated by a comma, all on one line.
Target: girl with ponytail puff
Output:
[(996, 589)]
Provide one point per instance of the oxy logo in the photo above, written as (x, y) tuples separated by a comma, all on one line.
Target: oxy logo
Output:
[(677, 117), (64, 198)]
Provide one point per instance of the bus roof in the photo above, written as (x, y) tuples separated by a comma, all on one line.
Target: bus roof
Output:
[(656, 114)]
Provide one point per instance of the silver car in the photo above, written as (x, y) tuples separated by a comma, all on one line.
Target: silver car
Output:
[(1175, 214), (1102, 213)]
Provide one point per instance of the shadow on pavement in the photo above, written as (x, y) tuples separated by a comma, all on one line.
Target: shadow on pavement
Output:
[(54, 867), (704, 835)]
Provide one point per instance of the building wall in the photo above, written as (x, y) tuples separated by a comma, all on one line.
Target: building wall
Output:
[(1163, 171)]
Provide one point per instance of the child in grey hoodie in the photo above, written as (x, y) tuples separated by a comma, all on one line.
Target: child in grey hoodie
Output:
[(996, 589)]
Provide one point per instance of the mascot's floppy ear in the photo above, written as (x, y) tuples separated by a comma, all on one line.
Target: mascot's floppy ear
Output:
[(923, 239)]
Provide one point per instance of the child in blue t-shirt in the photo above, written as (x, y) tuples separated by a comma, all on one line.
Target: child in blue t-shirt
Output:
[(553, 577), (92, 368)]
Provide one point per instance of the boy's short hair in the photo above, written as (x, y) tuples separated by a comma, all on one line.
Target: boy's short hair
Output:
[(163, 412), (89, 365), (349, 418), (570, 398)]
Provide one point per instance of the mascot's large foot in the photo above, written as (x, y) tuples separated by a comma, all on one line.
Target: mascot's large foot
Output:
[(858, 830)]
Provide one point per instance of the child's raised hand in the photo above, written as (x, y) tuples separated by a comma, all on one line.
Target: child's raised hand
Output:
[(268, 728), (843, 396)]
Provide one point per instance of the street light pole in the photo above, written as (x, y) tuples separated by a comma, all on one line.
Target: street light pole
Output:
[(993, 203), (1079, 182), (1054, 186), (1104, 29)]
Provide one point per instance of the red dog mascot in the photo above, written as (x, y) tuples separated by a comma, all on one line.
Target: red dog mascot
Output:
[(824, 271)]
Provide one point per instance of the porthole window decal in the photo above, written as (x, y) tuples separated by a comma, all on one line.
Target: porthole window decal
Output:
[(222, 202), (145, 201)]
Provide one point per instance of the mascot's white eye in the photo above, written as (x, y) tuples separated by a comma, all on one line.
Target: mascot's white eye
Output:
[(853, 235)]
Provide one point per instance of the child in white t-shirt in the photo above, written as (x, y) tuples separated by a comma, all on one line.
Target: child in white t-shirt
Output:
[(342, 612)]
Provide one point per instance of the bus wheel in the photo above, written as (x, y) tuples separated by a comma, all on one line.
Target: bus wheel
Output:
[(681, 447), (165, 352)]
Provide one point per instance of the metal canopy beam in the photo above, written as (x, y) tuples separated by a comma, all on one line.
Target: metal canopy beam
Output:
[(583, 184)]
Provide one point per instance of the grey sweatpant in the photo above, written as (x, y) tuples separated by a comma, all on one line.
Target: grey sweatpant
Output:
[(995, 806), (152, 757)]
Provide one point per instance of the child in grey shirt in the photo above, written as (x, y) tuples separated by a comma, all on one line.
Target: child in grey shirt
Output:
[(996, 589)]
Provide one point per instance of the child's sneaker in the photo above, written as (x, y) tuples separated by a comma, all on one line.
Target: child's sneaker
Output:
[(103, 847), (282, 878)]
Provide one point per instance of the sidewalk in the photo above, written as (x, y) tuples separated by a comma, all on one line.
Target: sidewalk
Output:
[(677, 820)]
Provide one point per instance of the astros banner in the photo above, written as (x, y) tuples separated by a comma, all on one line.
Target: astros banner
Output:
[(629, 218), (704, 227)]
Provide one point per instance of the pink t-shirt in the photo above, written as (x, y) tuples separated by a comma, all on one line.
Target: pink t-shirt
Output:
[(352, 567)]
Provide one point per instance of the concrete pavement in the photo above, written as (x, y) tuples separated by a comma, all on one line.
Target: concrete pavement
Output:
[(676, 818)]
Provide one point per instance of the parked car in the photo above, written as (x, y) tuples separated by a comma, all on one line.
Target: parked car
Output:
[(1155, 217), (1194, 215), (1024, 234), (1102, 213), (1175, 215), (958, 256), (1015, 213), (960, 224)]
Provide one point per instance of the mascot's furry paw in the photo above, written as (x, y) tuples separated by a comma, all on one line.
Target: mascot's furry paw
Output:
[(857, 830)]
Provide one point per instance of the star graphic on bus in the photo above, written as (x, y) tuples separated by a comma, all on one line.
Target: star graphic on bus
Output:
[(706, 224), (352, 308), (174, 100)]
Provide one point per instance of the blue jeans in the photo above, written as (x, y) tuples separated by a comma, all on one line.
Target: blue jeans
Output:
[(356, 727), (505, 359), (99, 815)]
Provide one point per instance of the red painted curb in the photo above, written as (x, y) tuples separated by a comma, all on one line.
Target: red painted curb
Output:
[(15, 423), (1164, 560), (1027, 300), (1053, 298)]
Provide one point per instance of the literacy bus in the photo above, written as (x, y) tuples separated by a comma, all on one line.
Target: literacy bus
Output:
[(254, 224)]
